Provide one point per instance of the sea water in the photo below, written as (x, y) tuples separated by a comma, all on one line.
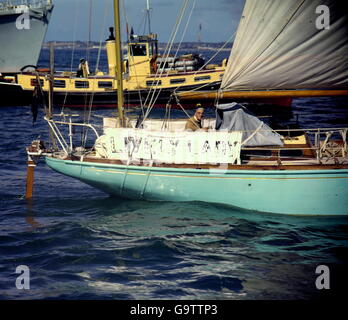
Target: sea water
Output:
[(79, 243)]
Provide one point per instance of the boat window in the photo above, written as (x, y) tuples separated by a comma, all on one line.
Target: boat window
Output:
[(180, 80), (153, 49), (59, 83), (138, 50), (154, 83), (81, 84), (33, 82), (202, 78), (104, 84)]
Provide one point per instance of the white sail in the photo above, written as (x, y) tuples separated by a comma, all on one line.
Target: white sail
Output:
[(289, 44)]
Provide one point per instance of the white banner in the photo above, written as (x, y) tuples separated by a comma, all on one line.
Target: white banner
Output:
[(170, 147)]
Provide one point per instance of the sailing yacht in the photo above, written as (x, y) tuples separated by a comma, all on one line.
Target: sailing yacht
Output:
[(238, 161)]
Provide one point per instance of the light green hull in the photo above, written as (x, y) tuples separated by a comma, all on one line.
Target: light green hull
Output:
[(300, 192)]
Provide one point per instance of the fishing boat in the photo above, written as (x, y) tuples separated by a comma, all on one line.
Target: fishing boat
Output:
[(238, 160), (144, 69), (23, 25)]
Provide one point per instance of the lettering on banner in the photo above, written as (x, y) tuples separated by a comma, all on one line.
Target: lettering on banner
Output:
[(215, 147)]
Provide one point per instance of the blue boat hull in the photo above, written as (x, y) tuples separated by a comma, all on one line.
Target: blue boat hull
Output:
[(300, 192)]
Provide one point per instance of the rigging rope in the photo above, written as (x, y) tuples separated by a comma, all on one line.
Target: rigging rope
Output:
[(168, 105), (88, 115), (72, 53), (178, 48), (201, 68), (131, 57), (168, 49), (166, 55), (85, 114), (152, 101)]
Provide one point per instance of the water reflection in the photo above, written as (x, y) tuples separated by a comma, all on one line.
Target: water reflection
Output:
[(29, 216)]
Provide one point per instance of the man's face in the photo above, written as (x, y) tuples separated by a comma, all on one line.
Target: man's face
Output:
[(199, 114)]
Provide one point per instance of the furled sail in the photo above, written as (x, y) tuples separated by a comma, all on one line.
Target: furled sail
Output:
[(289, 44)]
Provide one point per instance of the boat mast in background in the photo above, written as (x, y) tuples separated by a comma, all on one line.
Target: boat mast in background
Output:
[(148, 14)]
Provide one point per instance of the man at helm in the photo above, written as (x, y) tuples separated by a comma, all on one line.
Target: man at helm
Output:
[(195, 123), (83, 69)]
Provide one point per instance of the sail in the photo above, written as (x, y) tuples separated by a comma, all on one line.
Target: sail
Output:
[(286, 44)]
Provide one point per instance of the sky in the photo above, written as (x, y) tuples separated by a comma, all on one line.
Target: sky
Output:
[(218, 19)]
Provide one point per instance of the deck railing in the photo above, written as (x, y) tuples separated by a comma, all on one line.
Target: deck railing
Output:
[(67, 147), (320, 143)]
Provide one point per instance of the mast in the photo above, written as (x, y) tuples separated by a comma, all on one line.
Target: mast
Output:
[(50, 96), (148, 14), (119, 62)]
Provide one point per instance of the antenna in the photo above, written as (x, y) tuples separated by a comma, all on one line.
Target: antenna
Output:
[(148, 14), (200, 34)]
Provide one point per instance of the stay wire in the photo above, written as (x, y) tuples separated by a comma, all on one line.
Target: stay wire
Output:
[(167, 51), (130, 57), (201, 68), (179, 45), (72, 53), (88, 117)]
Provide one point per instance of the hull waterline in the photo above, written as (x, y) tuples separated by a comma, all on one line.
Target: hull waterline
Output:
[(298, 192)]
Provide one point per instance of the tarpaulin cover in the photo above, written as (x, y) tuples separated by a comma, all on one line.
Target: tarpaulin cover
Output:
[(235, 117)]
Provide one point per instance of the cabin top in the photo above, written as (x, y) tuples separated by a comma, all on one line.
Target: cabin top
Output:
[(146, 45)]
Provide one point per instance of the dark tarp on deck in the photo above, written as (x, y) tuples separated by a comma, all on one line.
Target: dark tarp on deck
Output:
[(235, 117)]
